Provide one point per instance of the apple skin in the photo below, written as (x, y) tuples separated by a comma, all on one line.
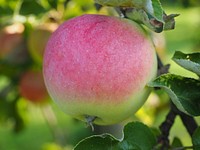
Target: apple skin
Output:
[(32, 87), (99, 66)]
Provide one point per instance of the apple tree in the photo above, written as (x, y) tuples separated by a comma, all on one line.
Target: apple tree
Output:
[(102, 62)]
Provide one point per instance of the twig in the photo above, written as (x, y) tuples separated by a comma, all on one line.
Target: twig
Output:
[(188, 121), (165, 127)]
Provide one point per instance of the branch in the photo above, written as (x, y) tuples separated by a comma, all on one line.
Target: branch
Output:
[(188, 121), (165, 127)]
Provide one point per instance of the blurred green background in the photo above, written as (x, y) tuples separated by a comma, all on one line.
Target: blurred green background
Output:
[(28, 117)]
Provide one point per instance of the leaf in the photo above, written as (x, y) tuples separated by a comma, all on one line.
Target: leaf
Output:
[(196, 139), (53, 3), (176, 143), (190, 62), (31, 7), (97, 142), (122, 3), (147, 12), (157, 10), (142, 17), (184, 92), (137, 136), (152, 7)]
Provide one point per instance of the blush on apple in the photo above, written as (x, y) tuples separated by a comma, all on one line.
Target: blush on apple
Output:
[(96, 68)]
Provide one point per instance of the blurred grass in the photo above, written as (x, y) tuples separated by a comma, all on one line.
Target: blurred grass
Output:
[(185, 37), (32, 138), (38, 132)]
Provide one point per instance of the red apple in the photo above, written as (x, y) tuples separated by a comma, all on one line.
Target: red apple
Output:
[(13, 48), (32, 87), (98, 66), (10, 37)]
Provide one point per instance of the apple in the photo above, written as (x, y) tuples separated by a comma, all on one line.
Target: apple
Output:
[(96, 68), (37, 40), (10, 37), (13, 48), (160, 44), (32, 87)]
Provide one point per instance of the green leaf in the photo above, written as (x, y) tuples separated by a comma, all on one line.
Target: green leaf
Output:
[(176, 143), (122, 3), (142, 17), (196, 139), (53, 3), (190, 62), (31, 7), (97, 142), (147, 12), (137, 136), (184, 92), (152, 7), (157, 10)]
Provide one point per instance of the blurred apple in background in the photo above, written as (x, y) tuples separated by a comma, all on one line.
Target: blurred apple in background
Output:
[(38, 38), (13, 47), (160, 44), (32, 88), (10, 37)]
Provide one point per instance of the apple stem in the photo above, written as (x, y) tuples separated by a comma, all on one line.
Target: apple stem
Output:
[(90, 120)]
